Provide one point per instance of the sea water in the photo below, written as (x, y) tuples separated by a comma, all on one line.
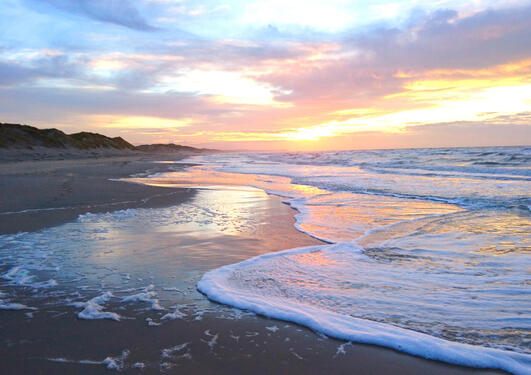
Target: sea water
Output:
[(429, 249)]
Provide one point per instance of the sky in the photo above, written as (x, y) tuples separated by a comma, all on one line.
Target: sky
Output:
[(295, 75)]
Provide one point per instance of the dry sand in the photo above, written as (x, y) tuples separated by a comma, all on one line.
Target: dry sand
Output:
[(245, 345)]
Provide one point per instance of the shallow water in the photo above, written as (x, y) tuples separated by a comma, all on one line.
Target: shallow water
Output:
[(140, 259), (432, 241), (120, 288)]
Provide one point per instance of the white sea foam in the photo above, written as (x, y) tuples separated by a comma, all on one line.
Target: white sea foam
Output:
[(93, 309), (213, 339), (112, 363), (152, 323), (341, 348), (176, 314), (45, 284), (19, 276), (79, 361), (4, 305), (173, 289), (8, 305), (116, 363), (171, 352), (273, 329), (224, 285), (148, 295)]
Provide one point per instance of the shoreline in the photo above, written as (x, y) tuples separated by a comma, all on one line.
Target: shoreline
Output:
[(215, 286), (53, 332), (40, 194)]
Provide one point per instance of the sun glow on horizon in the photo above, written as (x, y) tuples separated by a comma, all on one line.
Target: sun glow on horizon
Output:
[(442, 102)]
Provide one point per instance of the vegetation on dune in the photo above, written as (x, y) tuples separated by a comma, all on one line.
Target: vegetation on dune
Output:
[(15, 136)]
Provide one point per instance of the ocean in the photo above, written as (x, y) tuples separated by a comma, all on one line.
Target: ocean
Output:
[(428, 249)]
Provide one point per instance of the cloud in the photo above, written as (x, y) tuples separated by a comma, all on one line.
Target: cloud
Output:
[(366, 65), (118, 12), (496, 132), (442, 39), (14, 72), (319, 76), (112, 102)]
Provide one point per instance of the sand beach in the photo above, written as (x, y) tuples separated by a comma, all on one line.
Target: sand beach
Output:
[(166, 258)]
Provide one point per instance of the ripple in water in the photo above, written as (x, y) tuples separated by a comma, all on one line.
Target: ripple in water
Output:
[(432, 241)]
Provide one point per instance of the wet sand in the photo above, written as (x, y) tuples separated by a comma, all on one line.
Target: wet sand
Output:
[(38, 194), (219, 339), (243, 346)]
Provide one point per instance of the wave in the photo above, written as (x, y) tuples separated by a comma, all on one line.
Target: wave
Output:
[(470, 202), (426, 250), (433, 175), (511, 161), (219, 285)]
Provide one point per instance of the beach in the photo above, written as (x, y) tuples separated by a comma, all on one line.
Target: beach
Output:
[(261, 187), (37, 194), (145, 248)]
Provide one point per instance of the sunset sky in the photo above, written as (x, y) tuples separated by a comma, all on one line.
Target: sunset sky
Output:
[(271, 75)]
